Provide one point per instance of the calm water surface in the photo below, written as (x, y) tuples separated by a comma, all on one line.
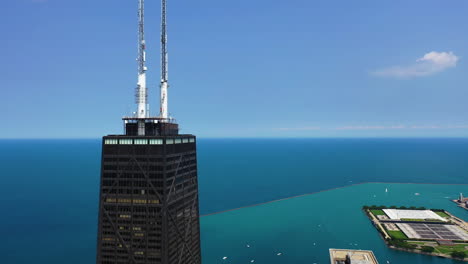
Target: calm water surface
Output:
[(304, 228), (49, 189)]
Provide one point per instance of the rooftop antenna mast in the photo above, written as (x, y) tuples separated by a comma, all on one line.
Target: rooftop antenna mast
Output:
[(141, 90), (164, 84)]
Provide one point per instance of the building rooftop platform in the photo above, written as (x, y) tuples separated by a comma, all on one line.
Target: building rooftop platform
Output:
[(399, 214), (338, 256)]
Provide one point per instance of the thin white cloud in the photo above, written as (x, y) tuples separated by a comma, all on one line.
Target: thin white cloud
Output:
[(398, 127), (377, 127), (431, 63), (458, 126), (370, 127), (307, 128), (427, 127)]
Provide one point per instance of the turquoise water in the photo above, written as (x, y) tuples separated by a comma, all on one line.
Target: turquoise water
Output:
[(331, 219), (49, 188)]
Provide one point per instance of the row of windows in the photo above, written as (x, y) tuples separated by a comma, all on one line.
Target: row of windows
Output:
[(135, 201), (148, 141), (111, 141)]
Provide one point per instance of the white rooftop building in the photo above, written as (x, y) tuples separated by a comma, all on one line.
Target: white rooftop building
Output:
[(412, 214)]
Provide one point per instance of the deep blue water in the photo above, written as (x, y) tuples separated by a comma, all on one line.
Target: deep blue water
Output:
[(236, 172), (49, 188), (304, 228)]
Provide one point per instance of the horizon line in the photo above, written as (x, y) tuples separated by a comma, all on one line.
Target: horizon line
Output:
[(253, 137)]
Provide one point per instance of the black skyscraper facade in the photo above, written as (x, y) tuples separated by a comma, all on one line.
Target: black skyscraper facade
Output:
[(148, 207)]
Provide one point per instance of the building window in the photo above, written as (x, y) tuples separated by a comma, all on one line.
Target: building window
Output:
[(192, 140), (169, 141), (139, 201), (125, 141), (156, 141), (177, 141), (185, 140), (125, 216), (141, 141), (110, 141)]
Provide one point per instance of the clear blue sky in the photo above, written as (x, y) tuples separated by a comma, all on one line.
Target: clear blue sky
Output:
[(243, 68)]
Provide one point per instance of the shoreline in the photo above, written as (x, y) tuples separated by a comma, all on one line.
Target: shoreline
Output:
[(461, 205), (326, 190), (440, 255), (387, 238)]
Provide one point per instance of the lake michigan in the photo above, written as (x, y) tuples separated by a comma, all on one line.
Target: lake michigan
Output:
[(49, 194)]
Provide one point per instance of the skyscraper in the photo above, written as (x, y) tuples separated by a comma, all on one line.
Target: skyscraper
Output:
[(148, 202)]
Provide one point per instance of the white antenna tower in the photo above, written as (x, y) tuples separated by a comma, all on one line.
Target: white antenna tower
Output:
[(141, 90), (164, 84)]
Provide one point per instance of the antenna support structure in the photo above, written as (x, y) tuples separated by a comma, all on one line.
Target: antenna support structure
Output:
[(164, 75), (141, 95), (144, 124)]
